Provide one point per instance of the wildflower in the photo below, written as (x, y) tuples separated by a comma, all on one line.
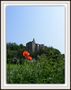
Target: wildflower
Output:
[(29, 58), (26, 53)]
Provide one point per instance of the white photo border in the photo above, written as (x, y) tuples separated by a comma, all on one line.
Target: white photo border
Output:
[(4, 4)]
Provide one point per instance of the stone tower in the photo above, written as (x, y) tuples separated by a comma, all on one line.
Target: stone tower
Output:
[(33, 45), (33, 40)]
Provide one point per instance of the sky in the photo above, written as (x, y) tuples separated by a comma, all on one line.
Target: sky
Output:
[(44, 23)]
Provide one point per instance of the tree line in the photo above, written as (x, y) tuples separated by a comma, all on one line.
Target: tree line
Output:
[(14, 53)]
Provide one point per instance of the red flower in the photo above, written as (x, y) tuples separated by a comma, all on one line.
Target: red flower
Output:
[(29, 58), (26, 53)]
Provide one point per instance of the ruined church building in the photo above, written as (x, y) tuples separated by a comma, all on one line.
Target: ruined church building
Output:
[(33, 47)]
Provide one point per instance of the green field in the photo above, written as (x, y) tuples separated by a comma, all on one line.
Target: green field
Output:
[(43, 71)]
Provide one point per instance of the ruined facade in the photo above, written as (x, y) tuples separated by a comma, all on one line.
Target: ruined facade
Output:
[(33, 47)]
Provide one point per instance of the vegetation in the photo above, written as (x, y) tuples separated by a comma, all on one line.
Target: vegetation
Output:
[(47, 66)]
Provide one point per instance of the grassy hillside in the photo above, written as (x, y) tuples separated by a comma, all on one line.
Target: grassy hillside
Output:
[(47, 66)]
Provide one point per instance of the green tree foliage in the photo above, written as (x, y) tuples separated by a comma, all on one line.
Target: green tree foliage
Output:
[(14, 52)]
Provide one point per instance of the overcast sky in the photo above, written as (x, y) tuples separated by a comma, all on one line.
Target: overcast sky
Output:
[(45, 24)]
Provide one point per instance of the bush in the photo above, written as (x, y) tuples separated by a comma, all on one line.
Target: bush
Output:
[(43, 71)]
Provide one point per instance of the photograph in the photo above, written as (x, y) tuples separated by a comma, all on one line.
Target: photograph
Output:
[(35, 45)]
